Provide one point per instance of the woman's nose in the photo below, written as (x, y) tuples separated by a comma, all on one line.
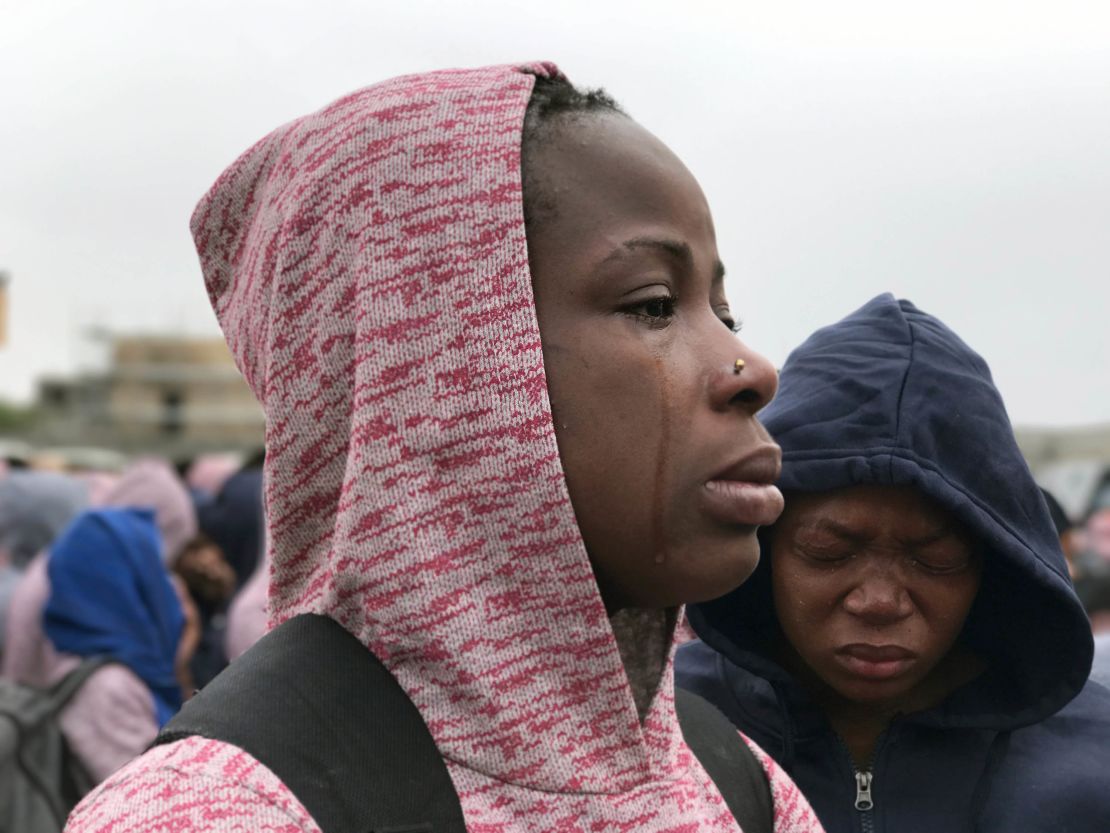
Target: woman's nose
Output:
[(879, 598), (744, 378)]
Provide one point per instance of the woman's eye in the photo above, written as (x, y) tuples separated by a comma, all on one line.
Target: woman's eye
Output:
[(942, 560), (656, 311), (940, 568), (726, 318), (826, 555)]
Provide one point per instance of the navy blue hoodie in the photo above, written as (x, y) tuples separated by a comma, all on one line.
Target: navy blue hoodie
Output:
[(890, 395)]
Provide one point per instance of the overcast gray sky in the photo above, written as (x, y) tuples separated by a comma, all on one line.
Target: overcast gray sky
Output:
[(955, 153)]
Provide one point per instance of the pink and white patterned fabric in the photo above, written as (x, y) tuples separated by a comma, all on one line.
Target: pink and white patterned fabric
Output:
[(369, 268)]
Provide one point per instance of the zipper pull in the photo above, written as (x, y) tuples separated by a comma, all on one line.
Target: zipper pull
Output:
[(863, 791)]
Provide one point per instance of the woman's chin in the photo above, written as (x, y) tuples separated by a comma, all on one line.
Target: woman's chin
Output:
[(712, 573), (699, 572)]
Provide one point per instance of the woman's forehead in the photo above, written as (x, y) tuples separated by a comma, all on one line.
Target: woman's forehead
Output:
[(866, 512), (604, 182)]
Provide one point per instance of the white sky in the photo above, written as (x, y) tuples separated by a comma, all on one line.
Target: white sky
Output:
[(955, 153)]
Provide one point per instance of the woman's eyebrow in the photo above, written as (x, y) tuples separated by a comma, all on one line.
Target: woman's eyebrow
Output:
[(678, 249), (839, 530), (857, 535), (932, 536)]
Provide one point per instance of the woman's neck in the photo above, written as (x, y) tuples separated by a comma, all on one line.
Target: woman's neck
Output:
[(644, 641), (859, 726)]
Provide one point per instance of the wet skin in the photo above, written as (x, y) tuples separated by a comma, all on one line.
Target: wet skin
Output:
[(872, 586), (668, 470)]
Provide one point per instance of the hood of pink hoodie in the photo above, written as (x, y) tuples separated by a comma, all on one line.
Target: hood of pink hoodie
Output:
[(369, 268)]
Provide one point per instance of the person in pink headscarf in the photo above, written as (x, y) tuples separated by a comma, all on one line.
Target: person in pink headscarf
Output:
[(510, 431), (151, 483)]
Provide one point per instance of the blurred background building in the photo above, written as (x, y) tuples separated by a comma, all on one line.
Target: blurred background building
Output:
[(175, 396)]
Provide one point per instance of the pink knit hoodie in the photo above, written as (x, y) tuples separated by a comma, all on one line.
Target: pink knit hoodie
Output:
[(369, 268)]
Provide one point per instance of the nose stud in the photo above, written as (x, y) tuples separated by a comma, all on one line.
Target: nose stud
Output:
[(737, 366)]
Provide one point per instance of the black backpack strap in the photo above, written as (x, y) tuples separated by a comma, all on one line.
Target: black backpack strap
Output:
[(317, 707), (729, 761)]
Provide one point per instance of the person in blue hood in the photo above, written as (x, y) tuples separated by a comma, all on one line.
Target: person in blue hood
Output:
[(110, 595), (910, 648)]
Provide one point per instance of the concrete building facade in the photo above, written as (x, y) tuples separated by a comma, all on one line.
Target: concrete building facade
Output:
[(166, 394)]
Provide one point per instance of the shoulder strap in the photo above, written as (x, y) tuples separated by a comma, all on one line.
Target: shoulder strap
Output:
[(29, 706), (729, 761), (317, 707), (33, 750), (63, 690)]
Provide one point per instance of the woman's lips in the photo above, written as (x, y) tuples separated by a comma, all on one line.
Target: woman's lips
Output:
[(743, 503), (744, 493), (875, 662)]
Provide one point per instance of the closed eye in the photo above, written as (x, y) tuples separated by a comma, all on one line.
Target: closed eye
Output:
[(826, 556), (941, 568)]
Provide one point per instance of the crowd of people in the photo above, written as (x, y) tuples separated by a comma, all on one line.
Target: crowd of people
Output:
[(138, 566), (517, 451)]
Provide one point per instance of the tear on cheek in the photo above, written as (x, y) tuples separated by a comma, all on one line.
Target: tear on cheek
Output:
[(662, 462)]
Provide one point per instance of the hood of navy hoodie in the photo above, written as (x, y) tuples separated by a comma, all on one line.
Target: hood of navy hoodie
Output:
[(890, 395)]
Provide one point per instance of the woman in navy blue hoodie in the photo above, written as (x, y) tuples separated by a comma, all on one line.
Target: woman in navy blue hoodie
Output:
[(910, 648)]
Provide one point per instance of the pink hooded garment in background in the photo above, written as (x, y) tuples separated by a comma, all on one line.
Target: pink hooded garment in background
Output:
[(369, 268), (151, 483), (246, 617)]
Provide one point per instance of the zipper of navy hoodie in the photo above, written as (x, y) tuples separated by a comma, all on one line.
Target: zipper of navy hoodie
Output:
[(864, 802), (865, 782)]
